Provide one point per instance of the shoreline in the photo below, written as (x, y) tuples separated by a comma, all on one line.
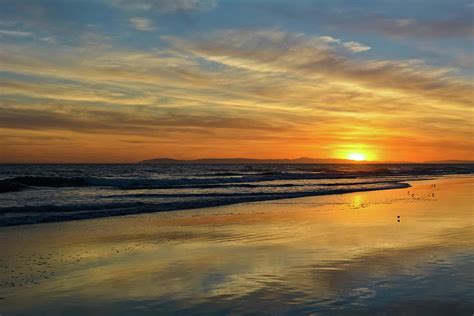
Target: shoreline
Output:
[(196, 212), (171, 207), (196, 205)]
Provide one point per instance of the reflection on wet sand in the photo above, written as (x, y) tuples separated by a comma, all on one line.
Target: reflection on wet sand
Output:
[(381, 251)]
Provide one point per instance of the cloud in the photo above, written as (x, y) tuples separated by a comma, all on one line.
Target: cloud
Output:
[(453, 21), (69, 92), (460, 26), (120, 121), (142, 24), (404, 22), (353, 47), (95, 63), (49, 40), (167, 5), (15, 33), (356, 47), (278, 51), (61, 19)]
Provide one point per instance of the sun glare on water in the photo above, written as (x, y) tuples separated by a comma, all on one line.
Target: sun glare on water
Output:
[(356, 156)]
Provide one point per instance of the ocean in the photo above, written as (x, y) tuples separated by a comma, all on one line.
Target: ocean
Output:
[(37, 193)]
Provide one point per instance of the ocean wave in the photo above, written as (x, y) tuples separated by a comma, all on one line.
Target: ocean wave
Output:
[(216, 180), (12, 186), (30, 214), (19, 183), (22, 183), (54, 182)]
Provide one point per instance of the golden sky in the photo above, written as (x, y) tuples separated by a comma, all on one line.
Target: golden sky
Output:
[(114, 81)]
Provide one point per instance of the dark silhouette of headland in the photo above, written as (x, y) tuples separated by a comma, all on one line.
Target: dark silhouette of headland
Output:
[(302, 160)]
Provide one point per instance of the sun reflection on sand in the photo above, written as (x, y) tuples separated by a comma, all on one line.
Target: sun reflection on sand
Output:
[(358, 202)]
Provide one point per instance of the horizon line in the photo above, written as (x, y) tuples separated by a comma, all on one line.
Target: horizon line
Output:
[(178, 160)]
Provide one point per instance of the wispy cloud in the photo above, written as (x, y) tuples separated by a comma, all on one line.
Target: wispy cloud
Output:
[(167, 5), (455, 21), (460, 25), (142, 24), (279, 51), (354, 47), (15, 33)]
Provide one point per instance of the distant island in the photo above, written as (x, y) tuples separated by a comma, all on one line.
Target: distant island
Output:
[(302, 160)]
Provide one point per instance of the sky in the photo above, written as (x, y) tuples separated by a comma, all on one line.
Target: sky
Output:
[(123, 81)]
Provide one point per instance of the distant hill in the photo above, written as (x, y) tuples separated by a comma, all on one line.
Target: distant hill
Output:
[(302, 160)]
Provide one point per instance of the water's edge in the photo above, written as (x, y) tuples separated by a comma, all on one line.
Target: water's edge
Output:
[(178, 206)]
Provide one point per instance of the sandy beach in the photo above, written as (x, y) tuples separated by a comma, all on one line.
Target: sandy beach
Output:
[(384, 252)]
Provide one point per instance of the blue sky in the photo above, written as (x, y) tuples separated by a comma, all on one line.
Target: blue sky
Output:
[(187, 78)]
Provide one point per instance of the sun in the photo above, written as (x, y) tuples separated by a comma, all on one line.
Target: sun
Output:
[(356, 156)]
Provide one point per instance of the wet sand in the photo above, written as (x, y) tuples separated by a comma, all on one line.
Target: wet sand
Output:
[(384, 252)]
